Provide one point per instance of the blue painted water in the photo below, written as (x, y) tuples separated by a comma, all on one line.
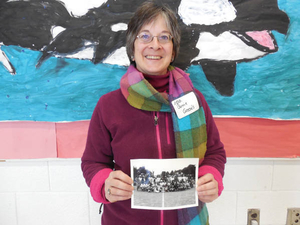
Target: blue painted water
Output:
[(68, 89)]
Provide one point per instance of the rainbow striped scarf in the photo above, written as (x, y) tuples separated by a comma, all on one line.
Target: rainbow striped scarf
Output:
[(190, 131)]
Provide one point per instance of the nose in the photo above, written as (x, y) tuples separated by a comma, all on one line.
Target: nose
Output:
[(155, 44)]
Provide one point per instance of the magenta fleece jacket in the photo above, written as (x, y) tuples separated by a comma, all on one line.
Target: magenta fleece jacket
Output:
[(119, 132)]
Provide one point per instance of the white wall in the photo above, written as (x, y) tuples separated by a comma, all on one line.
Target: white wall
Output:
[(53, 191)]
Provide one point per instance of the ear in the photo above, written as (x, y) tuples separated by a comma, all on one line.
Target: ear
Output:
[(132, 58)]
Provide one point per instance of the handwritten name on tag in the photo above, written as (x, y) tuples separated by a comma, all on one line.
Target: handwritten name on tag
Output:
[(185, 105)]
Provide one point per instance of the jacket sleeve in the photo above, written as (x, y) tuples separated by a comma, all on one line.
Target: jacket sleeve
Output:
[(215, 156), (97, 155)]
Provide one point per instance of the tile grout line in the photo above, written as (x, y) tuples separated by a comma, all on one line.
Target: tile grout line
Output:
[(16, 208), (49, 178)]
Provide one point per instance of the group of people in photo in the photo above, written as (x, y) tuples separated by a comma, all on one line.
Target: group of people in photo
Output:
[(165, 182)]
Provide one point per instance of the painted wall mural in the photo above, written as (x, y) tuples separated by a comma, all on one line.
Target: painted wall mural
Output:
[(58, 57)]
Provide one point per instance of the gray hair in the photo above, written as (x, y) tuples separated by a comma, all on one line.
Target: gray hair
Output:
[(145, 14)]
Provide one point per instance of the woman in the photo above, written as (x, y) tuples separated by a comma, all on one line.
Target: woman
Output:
[(138, 121)]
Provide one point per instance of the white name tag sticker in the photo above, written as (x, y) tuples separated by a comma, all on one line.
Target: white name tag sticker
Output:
[(185, 105)]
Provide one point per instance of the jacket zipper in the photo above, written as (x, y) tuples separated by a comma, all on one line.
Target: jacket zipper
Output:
[(156, 116)]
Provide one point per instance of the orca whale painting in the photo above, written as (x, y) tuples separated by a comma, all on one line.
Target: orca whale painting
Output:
[(58, 57)]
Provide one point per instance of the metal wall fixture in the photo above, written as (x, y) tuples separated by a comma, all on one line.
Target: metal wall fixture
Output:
[(253, 217), (293, 216)]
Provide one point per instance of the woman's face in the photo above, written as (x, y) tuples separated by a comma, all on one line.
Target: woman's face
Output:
[(153, 58)]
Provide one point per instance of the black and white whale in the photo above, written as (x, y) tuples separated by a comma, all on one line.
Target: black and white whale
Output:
[(215, 34), (235, 31), (29, 24)]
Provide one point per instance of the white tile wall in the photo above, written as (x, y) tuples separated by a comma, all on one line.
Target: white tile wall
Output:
[(53, 208), (8, 213), (53, 191), (22, 176), (95, 217), (248, 175), (286, 175), (223, 210), (66, 176)]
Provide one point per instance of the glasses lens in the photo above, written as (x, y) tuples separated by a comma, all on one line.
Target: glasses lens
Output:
[(145, 37), (164, 38)]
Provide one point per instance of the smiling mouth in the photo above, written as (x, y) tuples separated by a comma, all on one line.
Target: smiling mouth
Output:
[(153, 57)]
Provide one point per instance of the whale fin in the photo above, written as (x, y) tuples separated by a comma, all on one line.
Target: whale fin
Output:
[(6, 63), (221, 74)]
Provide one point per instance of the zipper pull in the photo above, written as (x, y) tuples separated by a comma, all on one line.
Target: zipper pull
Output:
[(155, 119)]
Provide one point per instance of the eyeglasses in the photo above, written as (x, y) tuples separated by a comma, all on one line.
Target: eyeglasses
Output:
[(147, 38)]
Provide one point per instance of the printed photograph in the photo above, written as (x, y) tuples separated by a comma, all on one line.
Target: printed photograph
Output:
[(164, 183)]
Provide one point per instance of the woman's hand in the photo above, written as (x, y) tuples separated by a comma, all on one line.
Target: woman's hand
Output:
[(118, 186), (207, 188)]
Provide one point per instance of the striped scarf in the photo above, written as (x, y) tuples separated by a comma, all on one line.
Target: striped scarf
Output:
[(190, 131)]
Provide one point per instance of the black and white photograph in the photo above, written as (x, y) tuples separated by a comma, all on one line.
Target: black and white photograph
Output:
[(164, 183)]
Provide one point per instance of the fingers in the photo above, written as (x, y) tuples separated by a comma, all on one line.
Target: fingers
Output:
[(205, 179), (118, 186), (114, 194), (118, 174), (207, 188)]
